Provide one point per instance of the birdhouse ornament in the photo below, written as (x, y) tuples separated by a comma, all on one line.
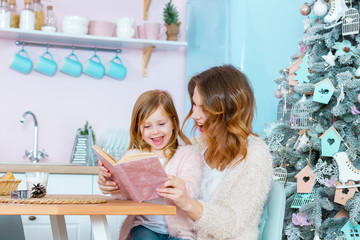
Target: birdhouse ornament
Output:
[(342, 195), (351, 232), (330, 142), (323, 91), (305, 180), (341, 213)]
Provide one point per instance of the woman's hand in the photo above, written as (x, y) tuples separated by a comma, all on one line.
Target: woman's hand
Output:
[(175, 189), (106, 185)]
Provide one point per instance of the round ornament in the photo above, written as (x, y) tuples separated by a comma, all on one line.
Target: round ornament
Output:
[(305, 9), (346, 49), (358, 97), (278, 93), (320, 8)]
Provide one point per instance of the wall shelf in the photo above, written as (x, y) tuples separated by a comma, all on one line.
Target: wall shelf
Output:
[(91, 41)]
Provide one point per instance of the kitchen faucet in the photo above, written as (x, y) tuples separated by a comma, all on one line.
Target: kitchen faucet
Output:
[(34, 155)]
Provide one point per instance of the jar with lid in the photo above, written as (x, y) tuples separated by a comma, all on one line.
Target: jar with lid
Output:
[(39, 14), (4, 14), (50, 21), (14, 15), (27, 17)]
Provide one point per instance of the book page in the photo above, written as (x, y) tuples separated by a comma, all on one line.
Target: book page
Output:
[(105, 155), (136, 156)]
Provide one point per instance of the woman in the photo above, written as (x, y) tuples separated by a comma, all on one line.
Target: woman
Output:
[(238, 166)]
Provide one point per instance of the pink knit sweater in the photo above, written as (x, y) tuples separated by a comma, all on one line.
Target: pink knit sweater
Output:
[(185, 164)]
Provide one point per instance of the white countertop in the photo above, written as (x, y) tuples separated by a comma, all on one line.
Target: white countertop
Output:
[(60, 168)]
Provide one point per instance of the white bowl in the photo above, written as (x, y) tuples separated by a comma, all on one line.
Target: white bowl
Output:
[(73, 25), (74, 29), (75, 20)]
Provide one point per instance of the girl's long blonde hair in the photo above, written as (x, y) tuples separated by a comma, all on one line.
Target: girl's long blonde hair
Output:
[(229, 105), (147, 104)]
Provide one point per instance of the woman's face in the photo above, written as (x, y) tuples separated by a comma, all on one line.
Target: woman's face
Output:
[(198, 113), (157, 130)]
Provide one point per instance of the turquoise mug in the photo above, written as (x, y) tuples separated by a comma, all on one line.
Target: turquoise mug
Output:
[(46, 65), (21, 63), (93, 68), (116, 70), (70, 66)]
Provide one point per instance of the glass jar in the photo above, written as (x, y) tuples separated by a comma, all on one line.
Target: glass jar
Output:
[(50, 22), (4, 14), (14, 15), (27, 17), (39, 14)]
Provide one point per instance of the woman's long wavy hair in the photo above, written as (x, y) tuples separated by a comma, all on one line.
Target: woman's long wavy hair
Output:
[(229, 105), (147, 104)]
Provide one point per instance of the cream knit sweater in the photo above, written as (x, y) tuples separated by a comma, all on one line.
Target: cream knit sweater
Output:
[(234, 209)]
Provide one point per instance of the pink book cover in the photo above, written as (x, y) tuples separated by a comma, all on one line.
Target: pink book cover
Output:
[(138, 178)]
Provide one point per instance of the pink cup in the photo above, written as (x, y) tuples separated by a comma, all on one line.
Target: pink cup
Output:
[(140, 31), (152, 30)]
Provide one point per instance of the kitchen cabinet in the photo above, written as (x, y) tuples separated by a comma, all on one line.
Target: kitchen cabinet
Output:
[(60, 39), (38, 227)]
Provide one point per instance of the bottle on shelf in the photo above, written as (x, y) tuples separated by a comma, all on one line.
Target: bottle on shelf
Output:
[(50, 21), (27, 17), (4, 14), (39, 14), (14, 15)]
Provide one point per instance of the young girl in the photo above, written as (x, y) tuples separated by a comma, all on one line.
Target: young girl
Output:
[(155, 128)]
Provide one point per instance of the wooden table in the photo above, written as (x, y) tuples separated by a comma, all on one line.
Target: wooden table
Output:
[(97, 213)]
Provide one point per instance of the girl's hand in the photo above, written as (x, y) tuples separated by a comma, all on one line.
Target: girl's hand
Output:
[(175, 190), (106, 185)]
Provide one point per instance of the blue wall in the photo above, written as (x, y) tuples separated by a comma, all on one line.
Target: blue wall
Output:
[(259, 37)]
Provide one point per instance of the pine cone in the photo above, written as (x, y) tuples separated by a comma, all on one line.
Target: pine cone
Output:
[(38, 191)]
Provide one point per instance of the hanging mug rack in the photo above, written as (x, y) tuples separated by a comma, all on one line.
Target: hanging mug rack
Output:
[(146, 53), (48, 45), (71, 65)]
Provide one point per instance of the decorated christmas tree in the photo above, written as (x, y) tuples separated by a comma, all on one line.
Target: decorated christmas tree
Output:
[(315, 139)]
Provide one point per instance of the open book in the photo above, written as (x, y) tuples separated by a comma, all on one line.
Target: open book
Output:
[(138, 175)]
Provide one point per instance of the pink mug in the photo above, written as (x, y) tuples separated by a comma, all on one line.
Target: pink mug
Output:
[(152, 30), (140, 31)]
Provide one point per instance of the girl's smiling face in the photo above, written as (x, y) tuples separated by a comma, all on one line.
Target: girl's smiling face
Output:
[(157, 130)]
